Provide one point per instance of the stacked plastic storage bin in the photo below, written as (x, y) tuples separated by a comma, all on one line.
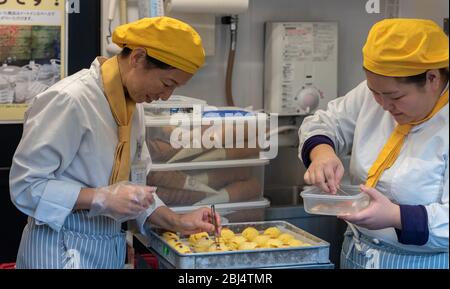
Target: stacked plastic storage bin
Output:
[(191, 177)]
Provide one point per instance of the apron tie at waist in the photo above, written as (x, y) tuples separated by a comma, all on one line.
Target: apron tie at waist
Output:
[(371, 253)]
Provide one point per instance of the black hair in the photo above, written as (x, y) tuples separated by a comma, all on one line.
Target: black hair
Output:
[(151, 62), (421, 79)]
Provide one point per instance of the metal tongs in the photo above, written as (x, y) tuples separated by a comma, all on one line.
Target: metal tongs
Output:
[(342, 191), (213, 213)]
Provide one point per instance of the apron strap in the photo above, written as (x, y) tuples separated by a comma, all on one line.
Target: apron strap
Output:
[(371, 253)]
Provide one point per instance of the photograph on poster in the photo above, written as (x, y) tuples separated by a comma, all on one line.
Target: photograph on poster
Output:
[(32, 53), (30, 57)]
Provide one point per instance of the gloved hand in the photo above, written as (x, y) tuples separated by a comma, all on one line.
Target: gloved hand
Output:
[(122, 201)]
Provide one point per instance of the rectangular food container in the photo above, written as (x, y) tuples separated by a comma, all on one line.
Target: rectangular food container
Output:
[(235, 212), (316, 253), (205, 183), (205, 139), (348, 200)]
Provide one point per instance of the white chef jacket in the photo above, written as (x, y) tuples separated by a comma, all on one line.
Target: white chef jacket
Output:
[(68, 142), (358, 125)]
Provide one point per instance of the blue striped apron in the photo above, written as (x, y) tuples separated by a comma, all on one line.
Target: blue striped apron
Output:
[(361, 252), (83, 242)]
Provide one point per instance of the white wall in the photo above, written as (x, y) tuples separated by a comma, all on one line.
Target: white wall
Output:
[(354, 24), (435, 10)]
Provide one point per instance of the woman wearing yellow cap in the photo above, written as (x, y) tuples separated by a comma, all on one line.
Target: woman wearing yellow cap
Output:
[(84, 137), (395, 125)]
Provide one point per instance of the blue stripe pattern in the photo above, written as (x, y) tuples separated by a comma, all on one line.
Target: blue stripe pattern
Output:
[(83, 242), (390, 257)]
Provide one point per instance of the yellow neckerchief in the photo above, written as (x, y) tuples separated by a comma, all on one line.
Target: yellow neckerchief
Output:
[(122, 108), (392, 148)]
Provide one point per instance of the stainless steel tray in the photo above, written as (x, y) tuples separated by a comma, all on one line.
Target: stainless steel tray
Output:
[(317, 253)]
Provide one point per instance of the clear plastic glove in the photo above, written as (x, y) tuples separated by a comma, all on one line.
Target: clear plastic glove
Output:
[(122, 201)]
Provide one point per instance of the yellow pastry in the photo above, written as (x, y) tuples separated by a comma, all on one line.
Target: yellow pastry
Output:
[(203, 245), (219, 239), (195, 237), (218, 248), (183, 249), (248, 246), (285, 237), (235, 242), (170, 235), (173, 242), (297, 243), (294, 243), (274, 243), (261, 240), (250, 233), (272, 232), (200, 249), (227, 234), (203, 238)]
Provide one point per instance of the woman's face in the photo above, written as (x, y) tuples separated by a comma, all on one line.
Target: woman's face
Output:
[(406, 102), (147, 85)]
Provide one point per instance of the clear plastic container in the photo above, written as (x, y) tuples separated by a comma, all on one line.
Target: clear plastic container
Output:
[(235, 212), (318, 202), (206, 183), (175, 104), (201, 140)]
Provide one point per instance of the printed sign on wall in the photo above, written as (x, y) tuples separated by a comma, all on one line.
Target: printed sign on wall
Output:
[(32, 49)]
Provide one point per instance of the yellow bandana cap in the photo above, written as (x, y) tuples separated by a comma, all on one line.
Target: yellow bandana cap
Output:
[(405, 47), (167, 39)]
